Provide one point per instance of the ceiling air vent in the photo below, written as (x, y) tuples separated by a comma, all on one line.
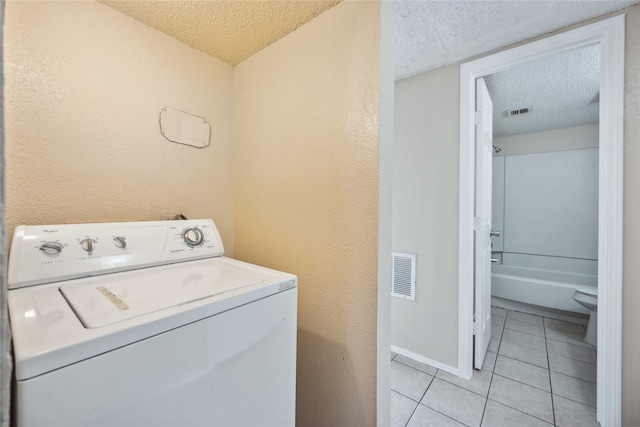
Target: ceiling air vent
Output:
[(518, 111), (403, 283)]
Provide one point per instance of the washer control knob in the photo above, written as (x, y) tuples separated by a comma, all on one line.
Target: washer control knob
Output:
[(51, 248), (193, 236), (88, 244), (120, 242)]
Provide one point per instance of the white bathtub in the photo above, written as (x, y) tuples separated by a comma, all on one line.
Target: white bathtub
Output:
[(544, 288)]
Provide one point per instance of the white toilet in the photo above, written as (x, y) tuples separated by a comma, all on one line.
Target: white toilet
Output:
[(587, 296)]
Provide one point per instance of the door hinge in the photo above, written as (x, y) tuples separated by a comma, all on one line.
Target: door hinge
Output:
[(478, 117), (477, 223), (475, 328)]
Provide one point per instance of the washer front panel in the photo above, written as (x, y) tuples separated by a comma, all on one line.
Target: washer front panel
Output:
[(51, 253)]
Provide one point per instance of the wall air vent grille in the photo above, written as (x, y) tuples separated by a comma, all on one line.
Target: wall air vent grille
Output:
[(518, 112), (403, 283)]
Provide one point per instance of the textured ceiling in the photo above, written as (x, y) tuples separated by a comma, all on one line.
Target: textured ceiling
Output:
[(430, 34), (230, 30), (561, 91)]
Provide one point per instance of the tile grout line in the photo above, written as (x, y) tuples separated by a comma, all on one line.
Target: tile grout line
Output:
[(548, 371), (421, 397), (429, 407), (546, 348), (520, 382), (403, 395), (419, 370), (571, 358), (486, 402), (445, 415), (521, 411)]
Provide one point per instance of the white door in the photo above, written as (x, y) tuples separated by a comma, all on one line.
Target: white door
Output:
[(484, 147)]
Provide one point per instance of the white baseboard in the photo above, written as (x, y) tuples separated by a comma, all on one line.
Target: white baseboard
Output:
[(426, 360)]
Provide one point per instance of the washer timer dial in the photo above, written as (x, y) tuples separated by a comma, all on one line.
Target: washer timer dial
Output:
[(120, 242), (88, 244), (51, 248), (193, 236)]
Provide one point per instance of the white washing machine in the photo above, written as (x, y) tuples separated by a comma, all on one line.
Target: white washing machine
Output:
[(146, 323)]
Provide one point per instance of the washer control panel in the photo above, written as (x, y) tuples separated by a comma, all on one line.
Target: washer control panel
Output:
[(45, 254)]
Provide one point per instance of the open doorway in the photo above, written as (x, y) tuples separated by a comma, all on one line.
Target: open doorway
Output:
[(543, 220), (608, 36)]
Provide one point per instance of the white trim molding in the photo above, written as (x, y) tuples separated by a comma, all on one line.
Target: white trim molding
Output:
[(425, 360), (609, 34)]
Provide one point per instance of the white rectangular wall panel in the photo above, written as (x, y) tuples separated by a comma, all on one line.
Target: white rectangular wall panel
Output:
[(551, 204)]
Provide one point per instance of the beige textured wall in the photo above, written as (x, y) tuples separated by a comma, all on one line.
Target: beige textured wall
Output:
[(631, 278), (425, 212), (84, 86), (306, 198)]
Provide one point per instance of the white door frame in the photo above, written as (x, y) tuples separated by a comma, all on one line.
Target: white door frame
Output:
[(609, 34)]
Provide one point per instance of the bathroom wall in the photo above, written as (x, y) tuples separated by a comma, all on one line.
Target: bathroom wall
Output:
[(306, 198), (425, 212), (631, 250), (431, 94), (84, 86), (546, 203), (571, 138)]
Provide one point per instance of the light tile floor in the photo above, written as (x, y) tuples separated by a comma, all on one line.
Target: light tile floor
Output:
[(537, 372)]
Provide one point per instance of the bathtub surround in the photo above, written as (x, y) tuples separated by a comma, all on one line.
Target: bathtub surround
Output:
[(546, 205), (545, 199), (548, 209), (540, 291), (424, 101), (571, 138)]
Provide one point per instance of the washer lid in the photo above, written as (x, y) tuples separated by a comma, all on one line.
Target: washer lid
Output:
[(103, 300)]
